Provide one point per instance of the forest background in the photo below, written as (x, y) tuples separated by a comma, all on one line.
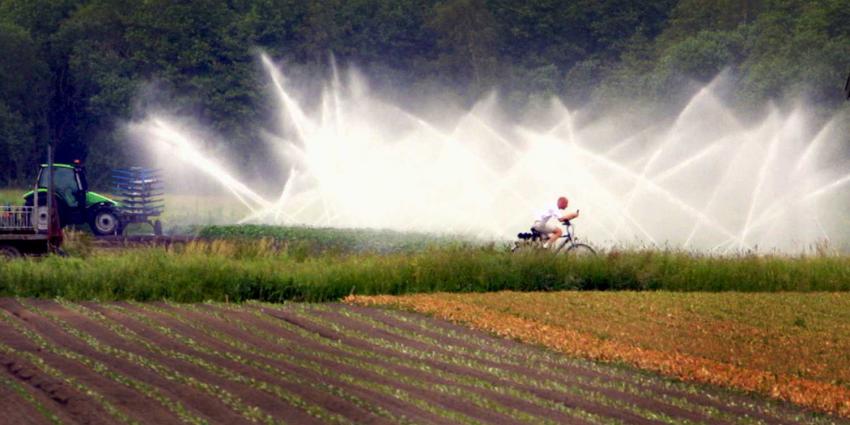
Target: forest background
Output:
[(72, 72)]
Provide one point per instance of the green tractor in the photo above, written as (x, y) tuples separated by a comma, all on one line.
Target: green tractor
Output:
[(77, 205)]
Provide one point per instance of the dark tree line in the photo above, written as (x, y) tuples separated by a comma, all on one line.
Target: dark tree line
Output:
[(71, 70)]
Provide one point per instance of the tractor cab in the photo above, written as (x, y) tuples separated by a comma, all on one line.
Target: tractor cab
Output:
[(77, 205)]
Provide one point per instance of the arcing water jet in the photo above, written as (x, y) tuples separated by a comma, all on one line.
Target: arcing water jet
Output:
[(705, 182)]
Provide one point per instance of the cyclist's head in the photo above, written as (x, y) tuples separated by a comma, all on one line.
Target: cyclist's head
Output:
[(563, 202)]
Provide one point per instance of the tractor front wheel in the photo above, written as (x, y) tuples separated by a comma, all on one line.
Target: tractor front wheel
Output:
[(105, 222)]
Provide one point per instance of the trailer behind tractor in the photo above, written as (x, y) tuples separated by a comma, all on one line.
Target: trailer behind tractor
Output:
[(32, 229)]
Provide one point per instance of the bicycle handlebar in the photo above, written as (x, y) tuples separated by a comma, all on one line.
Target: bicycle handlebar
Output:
[(567, 222)]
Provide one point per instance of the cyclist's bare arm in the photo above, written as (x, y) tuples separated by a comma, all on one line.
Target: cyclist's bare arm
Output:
[(569, 216)]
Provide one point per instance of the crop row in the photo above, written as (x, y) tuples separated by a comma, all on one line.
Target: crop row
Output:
[(172, 374), (515, 355), (22, 392), (620, 392), (264, 363), (43, 344), (648, 328), (502, 381), (596, 389), (340, 324), (194, 345), (397, 380)]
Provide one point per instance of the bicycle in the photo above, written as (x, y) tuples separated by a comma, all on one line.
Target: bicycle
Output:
[(535, 240)]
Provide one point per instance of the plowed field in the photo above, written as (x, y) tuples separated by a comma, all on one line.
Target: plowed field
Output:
[(166, 363), (791, 346)]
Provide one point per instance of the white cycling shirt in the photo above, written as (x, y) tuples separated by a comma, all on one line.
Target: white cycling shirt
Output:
[(548, 213)]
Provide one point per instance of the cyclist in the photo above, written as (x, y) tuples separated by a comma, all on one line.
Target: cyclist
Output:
[(547, 222)]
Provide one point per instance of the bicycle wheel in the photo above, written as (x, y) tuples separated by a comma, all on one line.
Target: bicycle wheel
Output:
[(580, 250)]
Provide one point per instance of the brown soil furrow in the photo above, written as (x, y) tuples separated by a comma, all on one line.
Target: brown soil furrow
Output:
[(425, 377), (17, 410), (735, 404), (552, 394), (79, 407), (310, 350), (53, 394), (97, 363), (565, 379), (564, 399), (210, 406), (136, 404), (308, 393), (425, 386)]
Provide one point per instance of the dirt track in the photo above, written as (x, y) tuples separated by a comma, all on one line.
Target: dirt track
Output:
[(163, 363)]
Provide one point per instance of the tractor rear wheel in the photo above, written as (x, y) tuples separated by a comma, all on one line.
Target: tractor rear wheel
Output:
[(9, 251), (105, 222)]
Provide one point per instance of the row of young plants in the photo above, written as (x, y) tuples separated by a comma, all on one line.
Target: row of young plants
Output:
[(396, 386), (577, 372), (762, 412), (407, 351), (562, 336), (614, 393), (43, 344), (130, 356), (316, 366), (236, 343), (595, 388), (196, 346), (363, 359), (610, 376), (502, 382), (30, 400), (320, 360), (250, 412), (238, 271), (356, 358)]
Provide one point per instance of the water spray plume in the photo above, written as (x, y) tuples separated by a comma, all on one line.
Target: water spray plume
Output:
[(703, 181), (168, 137)]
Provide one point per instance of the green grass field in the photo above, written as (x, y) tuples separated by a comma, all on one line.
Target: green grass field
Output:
[(267, 270), (275, 263)]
